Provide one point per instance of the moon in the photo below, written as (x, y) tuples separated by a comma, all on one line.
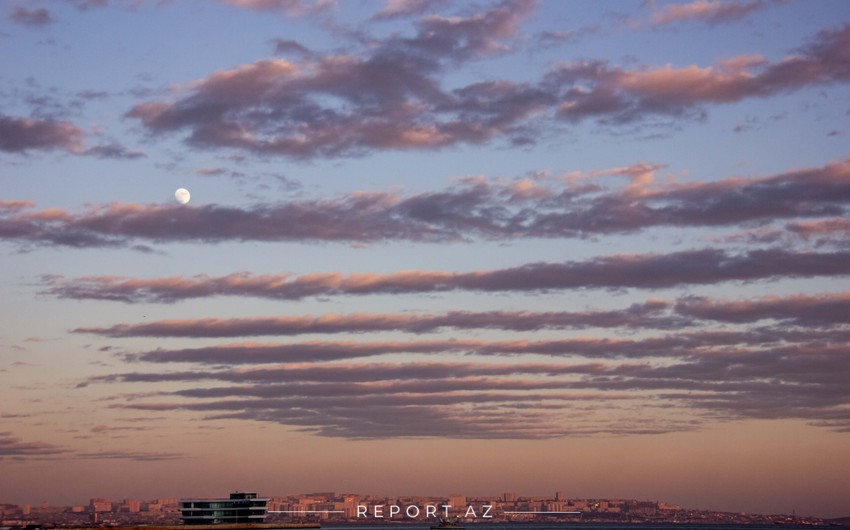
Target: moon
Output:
[(182, 195)]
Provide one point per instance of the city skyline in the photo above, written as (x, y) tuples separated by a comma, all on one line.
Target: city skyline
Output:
[(508, 506), (419, 246)]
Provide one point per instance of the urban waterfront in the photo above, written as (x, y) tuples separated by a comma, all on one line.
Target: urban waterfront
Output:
[(353, 511)]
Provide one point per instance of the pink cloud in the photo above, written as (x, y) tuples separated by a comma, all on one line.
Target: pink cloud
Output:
[(23, 134), (802, 310), (706, 11), (648, 315), (391, 93), (393, 98), (597, 90), (696, 267), (839, 227), (16, 205)]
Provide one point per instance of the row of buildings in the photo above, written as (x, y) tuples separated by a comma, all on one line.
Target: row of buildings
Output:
[(98, 512), (329, 507), (506, 507)]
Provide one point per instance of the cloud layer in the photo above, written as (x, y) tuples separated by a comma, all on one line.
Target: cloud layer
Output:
[(648, 315), (338, 104), (810, 201), (799, 310), (589, 386), (597, 90), (641, 271), (390, 95), (411, 78)]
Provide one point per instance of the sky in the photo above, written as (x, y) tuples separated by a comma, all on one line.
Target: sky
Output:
[(479, 247)]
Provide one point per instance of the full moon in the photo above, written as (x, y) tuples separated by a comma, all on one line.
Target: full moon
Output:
[(182, 196)]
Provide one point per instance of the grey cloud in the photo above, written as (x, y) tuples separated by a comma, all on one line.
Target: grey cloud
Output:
[(391, 93), (19, 135), (139, 456), (356, 372), (407, 8), (13, 447), (453, 415), (113, 151), (801, 310), (765, 381), (754, 373), (679, 345), (31, 17)]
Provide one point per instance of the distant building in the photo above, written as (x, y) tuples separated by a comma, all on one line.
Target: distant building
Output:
[(457, 502), (100, 505), (642, 507), (579, 504), (130, 506), (151, 507)]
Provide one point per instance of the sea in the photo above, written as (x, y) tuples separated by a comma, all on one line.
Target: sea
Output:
[(592, 526)]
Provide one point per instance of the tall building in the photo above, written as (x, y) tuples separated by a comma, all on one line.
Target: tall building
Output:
[(239, 508)]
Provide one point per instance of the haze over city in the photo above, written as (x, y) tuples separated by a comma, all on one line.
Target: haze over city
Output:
[(414, 247)]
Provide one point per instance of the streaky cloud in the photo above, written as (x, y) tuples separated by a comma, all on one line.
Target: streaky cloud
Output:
[(707, 11), (708, 376), (636, 271), (475, 209), (680, 345), (340, 372), (15, 448), (646, 315), (138, 456), (823, 310)]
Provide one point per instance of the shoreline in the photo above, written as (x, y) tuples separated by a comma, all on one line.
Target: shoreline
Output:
[(332, 524)]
